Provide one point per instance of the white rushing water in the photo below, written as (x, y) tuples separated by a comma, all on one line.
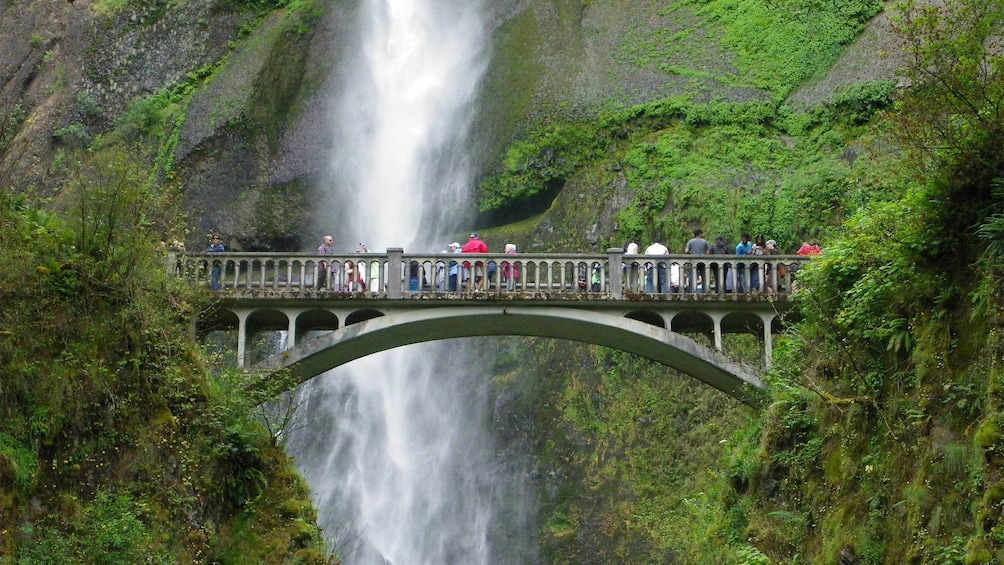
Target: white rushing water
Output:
[(402, 121), (397, 447)]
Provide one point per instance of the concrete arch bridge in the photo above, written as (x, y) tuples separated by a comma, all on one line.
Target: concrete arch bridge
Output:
[(366, 303)]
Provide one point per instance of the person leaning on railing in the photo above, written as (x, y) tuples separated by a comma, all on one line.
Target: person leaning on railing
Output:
[(510, 271)]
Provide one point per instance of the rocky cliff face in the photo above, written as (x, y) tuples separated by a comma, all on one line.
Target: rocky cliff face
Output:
[(239, 95), (252, 148)]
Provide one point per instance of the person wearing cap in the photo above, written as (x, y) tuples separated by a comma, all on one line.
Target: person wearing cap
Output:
[(475, 245), (454, 267)]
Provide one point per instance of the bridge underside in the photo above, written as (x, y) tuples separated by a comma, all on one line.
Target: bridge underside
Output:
[(383, 332)]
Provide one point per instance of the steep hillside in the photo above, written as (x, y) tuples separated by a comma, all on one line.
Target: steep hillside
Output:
[(881, 441), (121, 440)]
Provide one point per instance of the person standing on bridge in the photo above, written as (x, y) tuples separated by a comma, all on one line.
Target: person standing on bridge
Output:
[(632, 270), (454, 272), (744, 247), (323, 267), (475, 245), (510, 271), (698, 246), (655, 279), (216, 246), (721, 271)]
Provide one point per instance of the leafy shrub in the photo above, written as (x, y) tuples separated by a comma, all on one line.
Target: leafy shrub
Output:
[(22, 461), (529, 166), (75, 135), (858, 103)]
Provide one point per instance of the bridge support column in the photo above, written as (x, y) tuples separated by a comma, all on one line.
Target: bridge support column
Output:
[(291, 330), (768, 339), (716, 320), (242, 337)]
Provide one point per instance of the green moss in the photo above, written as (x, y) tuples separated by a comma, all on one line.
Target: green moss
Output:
[(988, 435), (517, 71), (977, 552), (103, 7), (279, 86)]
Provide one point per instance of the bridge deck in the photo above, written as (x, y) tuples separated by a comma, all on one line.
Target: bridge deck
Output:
[(442, 276)]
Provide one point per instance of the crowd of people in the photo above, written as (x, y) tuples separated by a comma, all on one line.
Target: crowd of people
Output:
[(652, 275), (660, 277), (453, 275)]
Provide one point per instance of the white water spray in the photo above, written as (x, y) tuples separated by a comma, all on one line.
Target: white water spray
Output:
[(403, 119), (398, 448)]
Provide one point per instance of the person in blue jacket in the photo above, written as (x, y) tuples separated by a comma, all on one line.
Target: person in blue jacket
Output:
[(216, 246)]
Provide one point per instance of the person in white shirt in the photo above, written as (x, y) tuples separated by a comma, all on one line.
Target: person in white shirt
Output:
[(656, 277), (632, 269)]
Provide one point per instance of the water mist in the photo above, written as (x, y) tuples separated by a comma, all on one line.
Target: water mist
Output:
[(397, 447)]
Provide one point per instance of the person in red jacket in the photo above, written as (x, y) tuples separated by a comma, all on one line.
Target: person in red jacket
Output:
[(809, 249), (475, 245)]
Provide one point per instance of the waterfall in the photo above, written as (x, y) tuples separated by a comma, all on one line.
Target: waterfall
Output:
[(397, 447)]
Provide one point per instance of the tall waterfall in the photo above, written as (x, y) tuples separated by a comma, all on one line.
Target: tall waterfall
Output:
[(397, 447)]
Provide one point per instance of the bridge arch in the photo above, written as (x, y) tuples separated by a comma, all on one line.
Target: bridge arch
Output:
[(217, 319), (314, 357), (648, 317), (361, 316), (315, 319), (266, 319)]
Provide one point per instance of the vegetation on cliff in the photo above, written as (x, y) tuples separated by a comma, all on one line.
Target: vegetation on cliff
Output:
[(120, 440), (881, 440), (897, 390)]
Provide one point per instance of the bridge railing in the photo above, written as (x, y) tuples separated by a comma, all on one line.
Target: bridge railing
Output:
[(396, 274)]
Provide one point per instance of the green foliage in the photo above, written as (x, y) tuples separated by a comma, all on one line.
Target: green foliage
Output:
[(725, 168), (18, 462), (75, 135), (107, 416), (992, 229), (529, 167), (858, 103), (114, 212), (776, 45), (113, 532), (12, 116), (952, 116), (146, 116), (109, 6), (109, 529), (266, 5), (235, 440)]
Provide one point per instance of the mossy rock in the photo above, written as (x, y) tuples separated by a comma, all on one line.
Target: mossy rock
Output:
[(988, 435)]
